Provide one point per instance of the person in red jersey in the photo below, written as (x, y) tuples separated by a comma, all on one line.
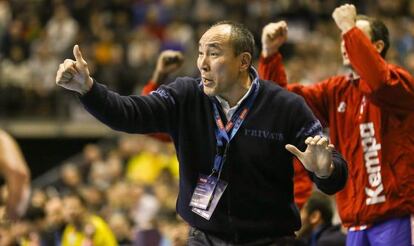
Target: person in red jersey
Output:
[(168, 62), (370, 115)]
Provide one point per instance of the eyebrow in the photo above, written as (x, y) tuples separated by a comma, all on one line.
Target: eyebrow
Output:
[(212, 45)]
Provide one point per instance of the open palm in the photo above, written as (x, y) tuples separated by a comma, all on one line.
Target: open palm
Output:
[(317, 157)]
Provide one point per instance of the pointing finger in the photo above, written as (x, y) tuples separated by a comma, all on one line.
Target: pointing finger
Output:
[(78, 55)]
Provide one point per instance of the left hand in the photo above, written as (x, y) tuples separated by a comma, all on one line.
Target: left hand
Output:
[(345, 17), (273, 36), (317, 157), (168, 62)]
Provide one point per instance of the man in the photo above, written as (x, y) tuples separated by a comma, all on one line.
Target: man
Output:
[(234, 188), (54, 222), (168, 62), (14, 169), (82, 227), (370, 115), (317, 228)]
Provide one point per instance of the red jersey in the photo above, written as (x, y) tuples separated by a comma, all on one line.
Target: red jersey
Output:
[(371, 122)]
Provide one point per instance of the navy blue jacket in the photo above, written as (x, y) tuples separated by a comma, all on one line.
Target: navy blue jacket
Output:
[(258, 201)]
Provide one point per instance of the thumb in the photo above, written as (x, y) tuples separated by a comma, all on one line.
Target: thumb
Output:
[(295, 151), (78, 55)]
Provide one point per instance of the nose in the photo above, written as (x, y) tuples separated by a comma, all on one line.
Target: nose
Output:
[(203, 63)]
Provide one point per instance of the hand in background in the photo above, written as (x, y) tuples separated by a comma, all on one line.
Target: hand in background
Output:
[(273, 36), (345, 17), (168, 62)]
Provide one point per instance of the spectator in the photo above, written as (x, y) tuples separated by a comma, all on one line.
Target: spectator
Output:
[(317, 228), (61, 30), (84, 228), (54, 223)]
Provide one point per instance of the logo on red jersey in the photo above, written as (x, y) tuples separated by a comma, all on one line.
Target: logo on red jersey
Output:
[(370, 146), (342, 106)]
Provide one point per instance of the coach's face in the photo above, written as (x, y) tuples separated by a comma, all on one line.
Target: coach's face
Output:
[(218, 64)]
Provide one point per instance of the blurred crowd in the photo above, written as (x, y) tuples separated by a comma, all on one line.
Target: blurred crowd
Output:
[(122, 195), (122, 38)]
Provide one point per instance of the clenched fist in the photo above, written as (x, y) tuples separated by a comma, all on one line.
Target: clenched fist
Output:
[(273, 36), (168, 62), (345, 17), (74, 74)]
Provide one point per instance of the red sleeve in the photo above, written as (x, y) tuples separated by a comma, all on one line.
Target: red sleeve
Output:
[(383, 81), (271, 68), (302, 184), (150, 86), (317, 98)]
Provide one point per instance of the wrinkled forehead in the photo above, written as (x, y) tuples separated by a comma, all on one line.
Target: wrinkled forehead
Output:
[(364, 26), (216, 36)]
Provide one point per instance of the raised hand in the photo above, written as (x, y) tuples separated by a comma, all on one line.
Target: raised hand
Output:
[(168, 62), (74, 74), (273, 36), (345, 17), (317, 157)]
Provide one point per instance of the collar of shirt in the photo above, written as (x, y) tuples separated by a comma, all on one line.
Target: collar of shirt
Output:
[(352, 76), (226, 107), (254, 75)]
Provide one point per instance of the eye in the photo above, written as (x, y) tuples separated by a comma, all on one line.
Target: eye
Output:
[(200, 53)]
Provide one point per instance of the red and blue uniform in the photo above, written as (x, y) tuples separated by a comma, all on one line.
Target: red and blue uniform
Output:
[(371, 122)]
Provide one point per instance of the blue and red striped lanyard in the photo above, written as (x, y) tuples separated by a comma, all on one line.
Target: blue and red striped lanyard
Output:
[(224, 134)]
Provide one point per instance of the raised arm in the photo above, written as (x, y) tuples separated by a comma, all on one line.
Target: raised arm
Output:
[(271, 68), (137, 114), (270, 61), (168, 62), (365, 51), (17, 175)]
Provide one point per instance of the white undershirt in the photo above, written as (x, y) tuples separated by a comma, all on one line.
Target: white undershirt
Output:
[(226, 107)]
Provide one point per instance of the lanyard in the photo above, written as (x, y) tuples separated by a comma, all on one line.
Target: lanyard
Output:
[(224, 134)]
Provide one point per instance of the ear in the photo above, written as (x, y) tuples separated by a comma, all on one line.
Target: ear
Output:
[(315, 217), (245, 61), (379, 45)]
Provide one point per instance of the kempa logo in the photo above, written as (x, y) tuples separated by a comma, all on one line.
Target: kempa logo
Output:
[(372, 165)]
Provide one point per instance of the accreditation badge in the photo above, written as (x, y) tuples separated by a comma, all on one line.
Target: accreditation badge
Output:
[(206, 195)]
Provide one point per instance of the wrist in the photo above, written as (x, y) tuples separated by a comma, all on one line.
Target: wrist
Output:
[(345, 28), (158, 77), (266, 52), (327, 173), (87, 86)]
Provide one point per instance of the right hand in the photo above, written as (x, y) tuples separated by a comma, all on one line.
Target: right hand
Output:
[(273, 36), (74, 75), (168, 62), (345, 17)]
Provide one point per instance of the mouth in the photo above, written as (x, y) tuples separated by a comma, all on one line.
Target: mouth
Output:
[(207, 82)]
